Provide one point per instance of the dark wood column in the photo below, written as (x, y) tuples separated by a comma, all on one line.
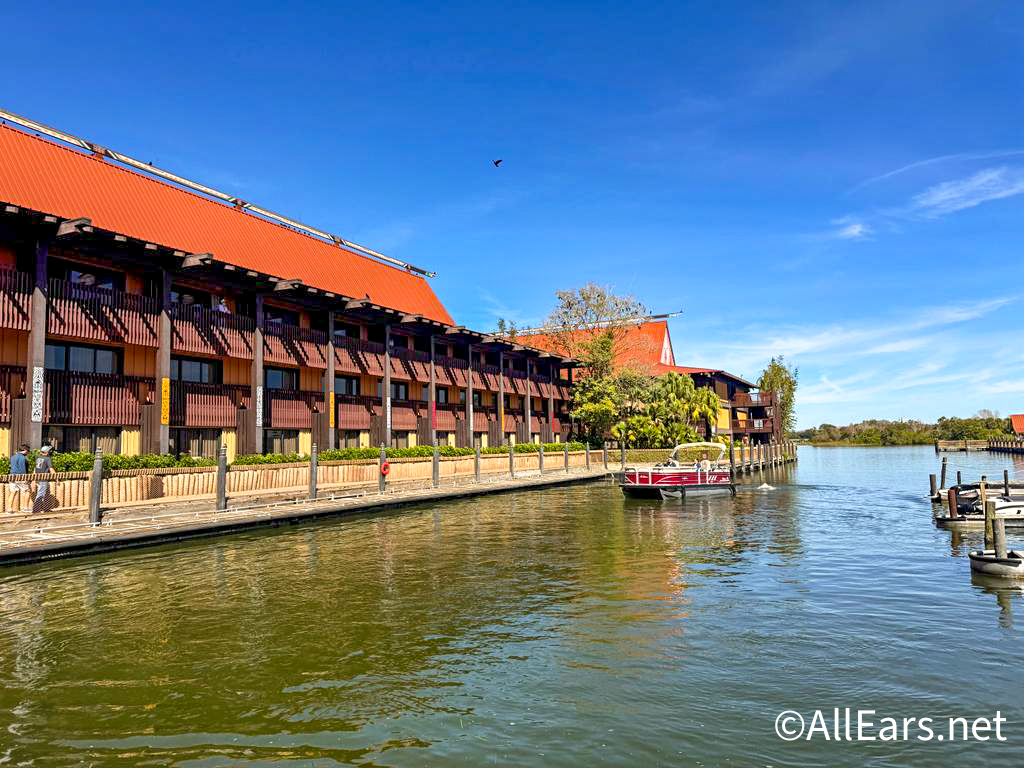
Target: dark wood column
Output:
[(469, 399), (527, 420), (332, 435), (163, 365), (387, 385), (552, 375), (255, 436), (433, 395), (36, 362), (501, 395)]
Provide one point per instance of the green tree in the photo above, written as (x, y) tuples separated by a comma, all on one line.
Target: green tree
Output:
[(595, 406), (780, 381)]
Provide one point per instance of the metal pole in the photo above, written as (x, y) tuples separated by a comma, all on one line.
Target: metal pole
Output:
[(604, 454), (222, 479), (565, 451), (476, 463), (622, 455), (96, 489), (586, 454), (435, 470), (512, 460), (312, 471), (540, 460), (381, 479)]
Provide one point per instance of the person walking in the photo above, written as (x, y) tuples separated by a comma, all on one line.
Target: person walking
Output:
[(19, 466), (44, 466)]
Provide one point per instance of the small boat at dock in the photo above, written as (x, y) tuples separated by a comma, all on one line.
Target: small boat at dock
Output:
[(987, 562), (971, 516), (675, 477)]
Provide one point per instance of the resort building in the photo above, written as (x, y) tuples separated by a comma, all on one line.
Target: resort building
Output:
[(646, 345), (143, 313)]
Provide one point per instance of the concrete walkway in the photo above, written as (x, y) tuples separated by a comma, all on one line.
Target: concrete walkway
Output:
[(46, 539)]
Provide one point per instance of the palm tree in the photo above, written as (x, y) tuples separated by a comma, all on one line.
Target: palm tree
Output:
[(704, 407)]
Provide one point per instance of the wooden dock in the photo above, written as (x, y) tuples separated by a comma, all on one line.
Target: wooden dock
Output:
[(961, 445)]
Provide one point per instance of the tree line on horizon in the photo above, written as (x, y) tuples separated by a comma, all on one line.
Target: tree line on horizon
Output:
[(985, 425)]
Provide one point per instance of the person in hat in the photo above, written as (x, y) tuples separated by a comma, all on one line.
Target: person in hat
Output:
[(19, 466), (44, 466)]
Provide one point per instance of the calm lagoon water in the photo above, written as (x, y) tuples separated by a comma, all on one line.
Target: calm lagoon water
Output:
[(564, 627)]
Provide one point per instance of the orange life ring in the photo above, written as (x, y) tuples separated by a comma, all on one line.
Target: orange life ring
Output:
[(385, 468)]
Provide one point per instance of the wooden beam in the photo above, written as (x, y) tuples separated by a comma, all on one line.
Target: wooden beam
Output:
[(287, 285), (122, 239), (151, 246), (196, 260), (11, 209), (50, 219), (454, 329), (74, 227), (411, 318), (355, 304)]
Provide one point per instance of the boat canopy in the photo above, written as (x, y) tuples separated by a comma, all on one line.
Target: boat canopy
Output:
[(720, 447)]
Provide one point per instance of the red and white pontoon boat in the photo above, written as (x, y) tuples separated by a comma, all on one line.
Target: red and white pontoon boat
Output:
[(673, 478)]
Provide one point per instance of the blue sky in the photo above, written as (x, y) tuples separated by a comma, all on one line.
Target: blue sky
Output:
[(838, 183)]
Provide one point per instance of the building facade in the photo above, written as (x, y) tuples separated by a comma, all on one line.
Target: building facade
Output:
[(745, 414), (142, 316)]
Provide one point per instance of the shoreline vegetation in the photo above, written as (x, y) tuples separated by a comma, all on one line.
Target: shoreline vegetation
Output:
[(874, 432)]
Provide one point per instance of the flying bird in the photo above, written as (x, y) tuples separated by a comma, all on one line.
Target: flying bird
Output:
[(497, 162)]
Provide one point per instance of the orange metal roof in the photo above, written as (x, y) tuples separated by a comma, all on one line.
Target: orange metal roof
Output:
[(1017, 420), (641, 345), (44, 176)]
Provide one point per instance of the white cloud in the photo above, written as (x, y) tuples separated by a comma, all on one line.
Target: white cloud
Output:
[(850, 228), (958, 157), (959, 194)]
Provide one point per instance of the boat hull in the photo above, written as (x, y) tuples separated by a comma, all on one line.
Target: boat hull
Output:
[(1009, 567), (658, 483)]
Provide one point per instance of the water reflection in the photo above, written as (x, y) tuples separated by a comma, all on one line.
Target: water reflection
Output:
[(569, 627)]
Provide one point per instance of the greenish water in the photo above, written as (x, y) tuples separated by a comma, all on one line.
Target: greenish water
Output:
[(563, 627)]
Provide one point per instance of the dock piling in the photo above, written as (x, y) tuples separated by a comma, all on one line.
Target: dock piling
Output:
[(1006, 483), (999, 536), (313, 462), (959, 480), (954, 502), (942, 477), (222, 479), (990, 515), (96, 489), (933, 491)]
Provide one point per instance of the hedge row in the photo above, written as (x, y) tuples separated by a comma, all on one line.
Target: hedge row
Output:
[(82, 462), (419, 451)]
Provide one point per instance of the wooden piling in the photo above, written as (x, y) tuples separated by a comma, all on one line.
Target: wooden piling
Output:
[(1006, 483), (953, 501), (959, 480), (999, 535), (942, 477), (933, 490), (990, 514), (96, 489)]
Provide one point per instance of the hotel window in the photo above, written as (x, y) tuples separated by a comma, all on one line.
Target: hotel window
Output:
[(476, 397), (400, 439), (281, 441), (197, 443), (83, 439), (442, 394), (191, 297), (346, 329), (83, 359), (87, 276), (508, 402), (399, 390), (442, 438), (348, 438), (421, 343), (279, 316), (197, 370), (346, 385), (281, 378)]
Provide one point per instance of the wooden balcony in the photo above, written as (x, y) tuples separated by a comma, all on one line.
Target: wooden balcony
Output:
[(98, 314), (356, 356), (451, 371), (200, 331), (290, 345), (405, 412), (95, 398), (207, 405), (486, 377), (15, 299), (289, 409), (355, 411), (12, 385), (751, 426), (751, 399)]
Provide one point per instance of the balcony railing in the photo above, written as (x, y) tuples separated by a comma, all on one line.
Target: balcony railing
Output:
[(95, 398), (100, 314), (195, 404), (12, 384), (202, 331), (751, 425), (751, 399), (291, 409), (291, 345), (356, 356), (15, 299)]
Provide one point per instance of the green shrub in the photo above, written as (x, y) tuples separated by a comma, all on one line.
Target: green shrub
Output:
[(82, 462)]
